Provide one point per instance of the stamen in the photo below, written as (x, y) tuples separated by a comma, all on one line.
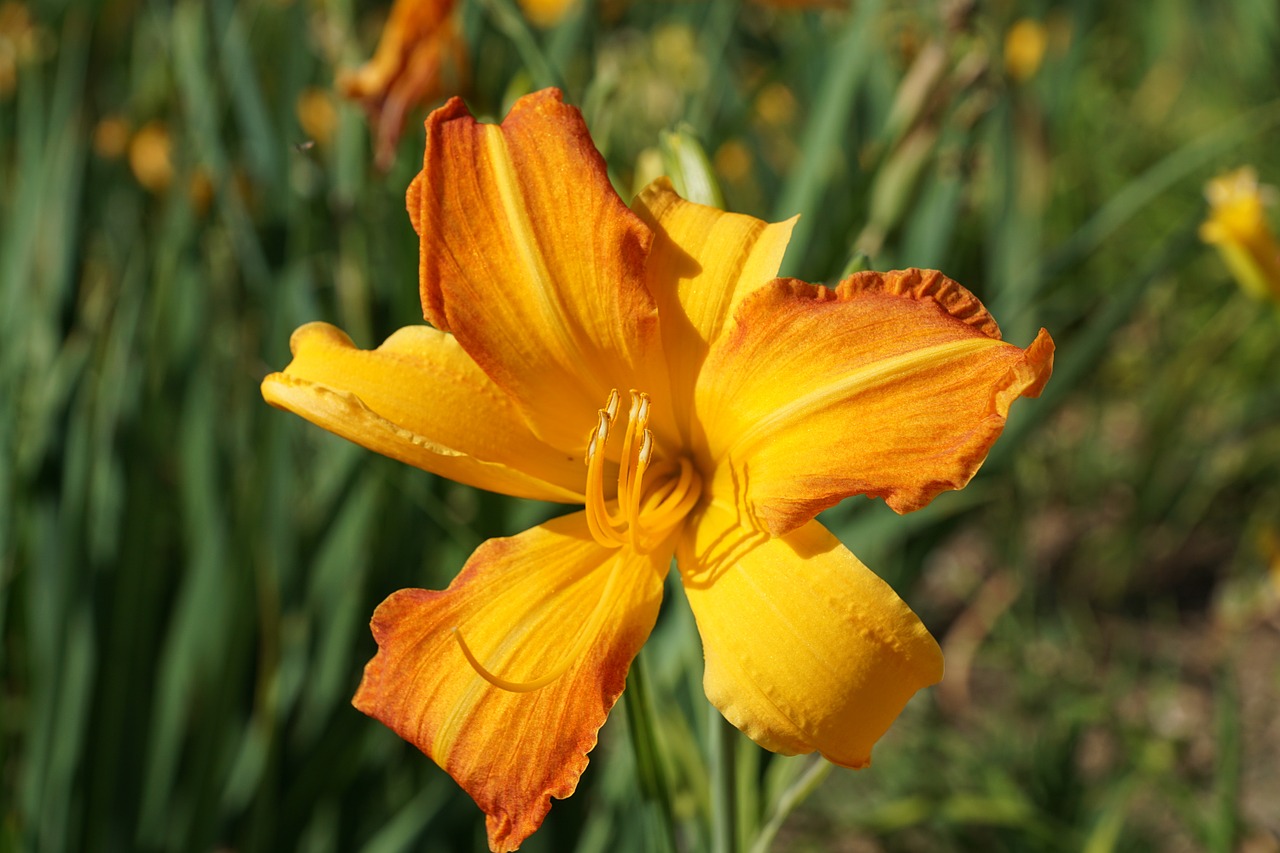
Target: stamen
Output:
[(628, 481), (639, 519), (580, 643), (634, 488), (598, 520)]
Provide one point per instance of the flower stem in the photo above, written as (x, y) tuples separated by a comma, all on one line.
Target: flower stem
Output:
[(644, 740), (724, 800)]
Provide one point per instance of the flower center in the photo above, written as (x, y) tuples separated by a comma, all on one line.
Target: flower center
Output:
[(652, 499), (647, 510)]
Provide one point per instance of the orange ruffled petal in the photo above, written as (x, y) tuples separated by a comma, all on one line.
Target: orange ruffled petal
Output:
[(522, 605), (703, 263), (420, 399), (894, 385), (806, 649), (530, 258)]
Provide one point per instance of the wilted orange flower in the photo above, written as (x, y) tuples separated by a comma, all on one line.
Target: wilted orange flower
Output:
[(420, 57), (1237, 226), (757, 403)]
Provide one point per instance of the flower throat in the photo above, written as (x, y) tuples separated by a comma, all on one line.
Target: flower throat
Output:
[(648, 509)]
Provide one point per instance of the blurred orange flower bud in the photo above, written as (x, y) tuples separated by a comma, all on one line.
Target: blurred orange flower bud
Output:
[(1024, 46), (545, 13), (317, 114), (110, 137), (151, 156)]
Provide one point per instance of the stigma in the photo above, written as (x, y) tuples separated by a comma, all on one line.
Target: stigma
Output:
[(652, 498)]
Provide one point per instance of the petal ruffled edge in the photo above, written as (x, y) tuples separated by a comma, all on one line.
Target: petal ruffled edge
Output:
[(895, 385), (522, 604)]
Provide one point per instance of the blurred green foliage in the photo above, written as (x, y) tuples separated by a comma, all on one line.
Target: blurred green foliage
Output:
[(186, 573)]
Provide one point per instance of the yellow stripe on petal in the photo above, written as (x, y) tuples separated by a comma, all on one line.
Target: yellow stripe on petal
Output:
[(530, 258), (894, 385), (420, 399), (549, 605), (806, 649), (702, 264)]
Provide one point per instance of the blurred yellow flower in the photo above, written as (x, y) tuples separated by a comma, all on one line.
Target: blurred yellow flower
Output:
[(111, 137), (1024, 46), (733, 160), (151, 156), (317, 114), (1237, 227), (545, 13), (21, 42), (807, 4)]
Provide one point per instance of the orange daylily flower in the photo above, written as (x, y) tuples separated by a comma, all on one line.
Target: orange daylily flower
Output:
[(419, 58), (759, 402)]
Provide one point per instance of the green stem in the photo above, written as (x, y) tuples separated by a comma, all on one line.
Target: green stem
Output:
[(644, 740), (512, 24), (812, 776), (724, 800)]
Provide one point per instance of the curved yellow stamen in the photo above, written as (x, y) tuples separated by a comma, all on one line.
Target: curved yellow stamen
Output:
[(603, 528), (584, 637), (634, 488), (640, 519)]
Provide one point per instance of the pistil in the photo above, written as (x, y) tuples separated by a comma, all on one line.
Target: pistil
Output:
[(641, 519)]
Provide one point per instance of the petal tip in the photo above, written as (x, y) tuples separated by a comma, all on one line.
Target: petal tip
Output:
[(1040, 358)]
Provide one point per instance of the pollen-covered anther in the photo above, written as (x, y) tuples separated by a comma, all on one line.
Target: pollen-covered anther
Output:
[(646, 510)]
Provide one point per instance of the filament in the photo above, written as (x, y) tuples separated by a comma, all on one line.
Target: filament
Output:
[(642, 516)]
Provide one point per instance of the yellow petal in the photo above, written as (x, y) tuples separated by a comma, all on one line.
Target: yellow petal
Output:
[(533, 262), (894, 385), (806, 649), (420, 399), (524, 605), (702, 264)]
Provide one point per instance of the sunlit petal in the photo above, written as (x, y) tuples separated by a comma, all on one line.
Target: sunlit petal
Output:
[(894, 385), (530, 258), (525, 606), (703, 262), (806, 649), (420, 399)]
